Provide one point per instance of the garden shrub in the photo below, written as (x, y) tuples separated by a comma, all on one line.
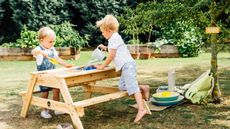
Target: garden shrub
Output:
[(158, 43), (186, 36), (28, 39), (66, 37)]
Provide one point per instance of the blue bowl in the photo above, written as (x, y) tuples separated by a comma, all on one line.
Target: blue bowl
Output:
[(163, 88)]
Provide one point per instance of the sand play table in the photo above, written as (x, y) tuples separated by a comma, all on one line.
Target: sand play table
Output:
[(71, 77)]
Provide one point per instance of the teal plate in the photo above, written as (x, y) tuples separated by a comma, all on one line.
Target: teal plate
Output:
[(174, 96), (167, 103)]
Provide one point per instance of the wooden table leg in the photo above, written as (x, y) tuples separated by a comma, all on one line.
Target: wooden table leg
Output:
[(68, 100), (28, 96), (87, 88)]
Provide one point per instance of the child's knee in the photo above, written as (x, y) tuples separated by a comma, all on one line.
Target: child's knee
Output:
[(145, 88)]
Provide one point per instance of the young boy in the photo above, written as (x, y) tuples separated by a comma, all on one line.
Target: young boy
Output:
[(43, 53), (119, 54)]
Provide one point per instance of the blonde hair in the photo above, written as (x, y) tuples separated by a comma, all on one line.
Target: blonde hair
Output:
[(109, 22), (45, 32)]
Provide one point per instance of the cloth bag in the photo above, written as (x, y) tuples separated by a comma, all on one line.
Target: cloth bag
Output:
[(199, 90)]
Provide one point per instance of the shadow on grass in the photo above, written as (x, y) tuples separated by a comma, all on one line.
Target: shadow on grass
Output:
[(224, 80), (117, 115)]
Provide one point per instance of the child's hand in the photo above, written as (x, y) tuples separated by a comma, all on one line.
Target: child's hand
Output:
[(39, 52), (102, 47), (68, 65), (99, 66), (43, 54)]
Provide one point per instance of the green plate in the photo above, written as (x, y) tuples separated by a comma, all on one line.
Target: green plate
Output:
[(159, 97), (167, 103)]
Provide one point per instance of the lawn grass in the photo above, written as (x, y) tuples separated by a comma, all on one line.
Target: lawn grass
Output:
[(116, 114)]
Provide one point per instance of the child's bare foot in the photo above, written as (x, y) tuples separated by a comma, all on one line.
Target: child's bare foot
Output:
[(139, 115)]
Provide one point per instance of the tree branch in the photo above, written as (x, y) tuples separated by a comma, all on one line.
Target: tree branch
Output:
[(226, 5)]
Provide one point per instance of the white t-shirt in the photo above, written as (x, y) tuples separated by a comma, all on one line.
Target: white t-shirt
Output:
[(39, 57), (122, 53)]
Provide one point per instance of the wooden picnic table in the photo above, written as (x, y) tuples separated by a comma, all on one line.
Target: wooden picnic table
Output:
[(70, 77)]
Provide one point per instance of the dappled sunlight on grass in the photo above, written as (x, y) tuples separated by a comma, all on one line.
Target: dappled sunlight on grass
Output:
[(4, 125), (223, 123)]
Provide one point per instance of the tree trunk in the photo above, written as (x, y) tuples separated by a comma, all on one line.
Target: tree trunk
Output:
[(149, 37), (150, 33), (216, 94)]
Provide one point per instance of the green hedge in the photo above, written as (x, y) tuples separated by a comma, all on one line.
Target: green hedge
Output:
[(66, 37)]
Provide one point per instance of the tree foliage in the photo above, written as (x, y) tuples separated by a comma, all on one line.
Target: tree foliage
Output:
[(1, 11), (86, 14), (181, 22), (148, 16), (131, 21), (1, 16), (37, 13)]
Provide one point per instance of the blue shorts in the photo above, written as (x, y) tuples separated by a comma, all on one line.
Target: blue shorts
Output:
[(44, 88), (128, 79)]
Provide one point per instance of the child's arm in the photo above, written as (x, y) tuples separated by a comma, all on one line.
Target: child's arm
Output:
[(36, 52), (108, 60), (63, 63)]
